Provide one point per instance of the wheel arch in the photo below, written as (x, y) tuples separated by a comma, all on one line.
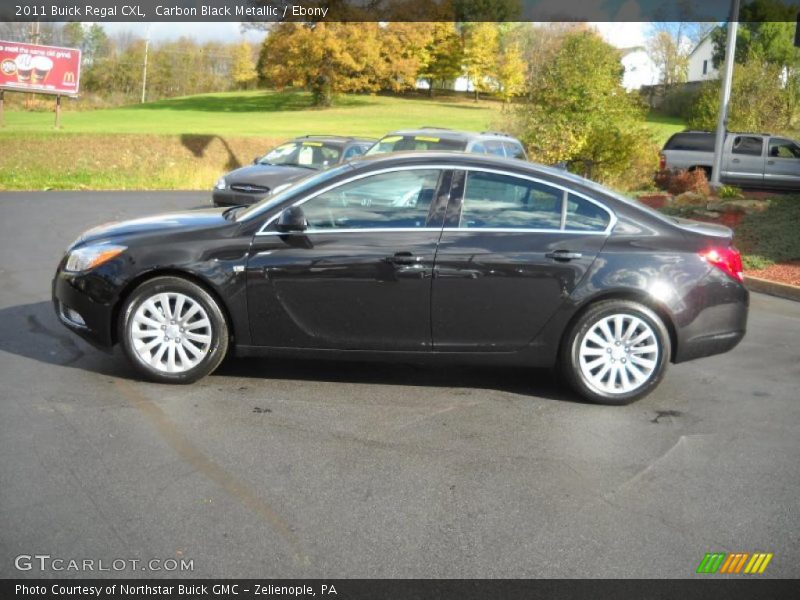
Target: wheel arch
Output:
[(634, 296), (167, 272)]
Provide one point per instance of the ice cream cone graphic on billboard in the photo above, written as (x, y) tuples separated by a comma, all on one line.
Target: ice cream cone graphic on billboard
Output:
[(41, 68)]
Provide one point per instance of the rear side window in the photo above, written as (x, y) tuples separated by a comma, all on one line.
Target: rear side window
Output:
[(492, 200), (398, 199), (494, 147), (406, 143), (583, 215), (694, 142), (514, 150), (747, 144)]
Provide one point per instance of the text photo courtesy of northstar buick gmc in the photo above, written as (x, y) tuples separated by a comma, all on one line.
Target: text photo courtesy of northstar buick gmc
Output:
[(415, 256)]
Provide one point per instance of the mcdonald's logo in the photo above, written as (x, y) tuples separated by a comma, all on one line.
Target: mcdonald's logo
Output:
[(734, 563), (69, 77)]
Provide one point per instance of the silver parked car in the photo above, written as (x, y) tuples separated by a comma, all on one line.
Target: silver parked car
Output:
[(749, 159)]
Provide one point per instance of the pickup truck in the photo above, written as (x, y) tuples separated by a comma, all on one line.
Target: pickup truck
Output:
[(748, 159)]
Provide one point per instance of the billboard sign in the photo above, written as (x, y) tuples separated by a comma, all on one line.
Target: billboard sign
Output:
[(39, 69)]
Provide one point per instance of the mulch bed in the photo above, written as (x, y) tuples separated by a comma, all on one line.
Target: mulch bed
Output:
[(787, 272)]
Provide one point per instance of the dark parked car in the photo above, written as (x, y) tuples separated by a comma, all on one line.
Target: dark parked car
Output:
[(449, 256), (288, 162), (439, 138)]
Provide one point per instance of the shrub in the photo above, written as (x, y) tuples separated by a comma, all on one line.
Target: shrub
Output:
[(729, 191), (677, 182)]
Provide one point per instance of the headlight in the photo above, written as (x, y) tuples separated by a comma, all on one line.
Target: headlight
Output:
[(221, 184), (90, 257)]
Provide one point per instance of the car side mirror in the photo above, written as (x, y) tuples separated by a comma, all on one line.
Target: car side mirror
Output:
[(292, 219), (256, 159)]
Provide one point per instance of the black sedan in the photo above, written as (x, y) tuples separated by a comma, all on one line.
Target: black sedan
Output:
[(288, 162), (447, 256)]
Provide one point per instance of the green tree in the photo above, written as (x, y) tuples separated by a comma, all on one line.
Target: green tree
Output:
[(579, 112), (758, 101), (669, 57)]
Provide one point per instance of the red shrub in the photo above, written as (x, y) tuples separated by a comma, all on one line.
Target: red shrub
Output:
[(679, 181)]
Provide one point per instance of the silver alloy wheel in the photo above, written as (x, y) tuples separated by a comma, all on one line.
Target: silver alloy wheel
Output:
[(618, 354), (171, 332)]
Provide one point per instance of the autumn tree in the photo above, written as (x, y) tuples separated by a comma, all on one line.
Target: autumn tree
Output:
[(510, 71), (326, 58), (405, 51), (481, 45), (669, 57), (443, 55), (243, 68)]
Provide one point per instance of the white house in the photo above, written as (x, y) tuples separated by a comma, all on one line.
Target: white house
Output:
[(701, 61), (639, 68)]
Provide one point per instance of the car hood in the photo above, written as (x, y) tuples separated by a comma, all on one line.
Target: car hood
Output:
[(186, 220), (267, 175)]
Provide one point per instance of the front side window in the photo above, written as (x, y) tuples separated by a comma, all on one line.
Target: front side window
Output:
[(399, 199), (783, 149), (492, 200), (352, 152), (747, 144)]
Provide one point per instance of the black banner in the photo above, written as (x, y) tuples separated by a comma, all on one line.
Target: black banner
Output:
[(745, 587), (384, 10)]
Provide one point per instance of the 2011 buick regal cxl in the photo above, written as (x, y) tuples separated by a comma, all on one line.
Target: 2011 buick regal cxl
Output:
[(437, 256)]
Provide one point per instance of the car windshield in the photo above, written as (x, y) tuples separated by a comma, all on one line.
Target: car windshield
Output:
[(310, 154), (296, 187), (405, 143)]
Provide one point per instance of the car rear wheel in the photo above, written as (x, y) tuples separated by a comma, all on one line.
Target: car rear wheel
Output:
[(173, 330), (616, 352)]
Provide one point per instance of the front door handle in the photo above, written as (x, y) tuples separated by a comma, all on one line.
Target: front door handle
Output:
[(736, 160), (564, 255), (403, 258), (770, 162)]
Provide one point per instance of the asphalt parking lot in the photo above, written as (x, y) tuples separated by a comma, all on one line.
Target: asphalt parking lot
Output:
[(313, 469)]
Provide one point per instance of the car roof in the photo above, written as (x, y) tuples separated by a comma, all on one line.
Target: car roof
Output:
[(453, 134), (332, 139)]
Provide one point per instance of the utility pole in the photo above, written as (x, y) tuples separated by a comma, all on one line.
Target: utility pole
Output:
[(144, 68), (725, 94)]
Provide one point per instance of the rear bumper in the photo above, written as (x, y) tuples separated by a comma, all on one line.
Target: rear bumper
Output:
[(720, 321)]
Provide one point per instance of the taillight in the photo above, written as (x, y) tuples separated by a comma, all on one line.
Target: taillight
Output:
[(662, 161), (726, 259)]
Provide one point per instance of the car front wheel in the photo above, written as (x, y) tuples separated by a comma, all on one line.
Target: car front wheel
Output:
[(616, 352), (173, 330)]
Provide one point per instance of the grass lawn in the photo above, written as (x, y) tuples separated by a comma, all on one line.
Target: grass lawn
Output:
[(663, 126), (186, 143), (771, 236), (265, 113)]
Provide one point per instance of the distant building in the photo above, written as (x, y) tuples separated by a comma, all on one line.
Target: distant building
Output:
[(701, 62), (639, 68)]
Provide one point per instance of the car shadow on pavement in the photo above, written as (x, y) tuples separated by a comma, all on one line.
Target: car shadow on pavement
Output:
[(34, 331)]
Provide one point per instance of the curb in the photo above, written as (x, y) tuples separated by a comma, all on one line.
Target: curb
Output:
[(764, 286)]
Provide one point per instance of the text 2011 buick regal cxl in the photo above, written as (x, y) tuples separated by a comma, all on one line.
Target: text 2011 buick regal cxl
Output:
[(448, 256)]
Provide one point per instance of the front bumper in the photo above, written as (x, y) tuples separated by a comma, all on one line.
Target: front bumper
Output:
[(84, 304)]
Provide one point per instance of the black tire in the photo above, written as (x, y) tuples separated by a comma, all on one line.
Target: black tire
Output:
[(569, 358), (216, 349)]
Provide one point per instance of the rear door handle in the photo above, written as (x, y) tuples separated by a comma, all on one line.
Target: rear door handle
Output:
[(563, 255), (403, 258), (770, 162), (736, 160)]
